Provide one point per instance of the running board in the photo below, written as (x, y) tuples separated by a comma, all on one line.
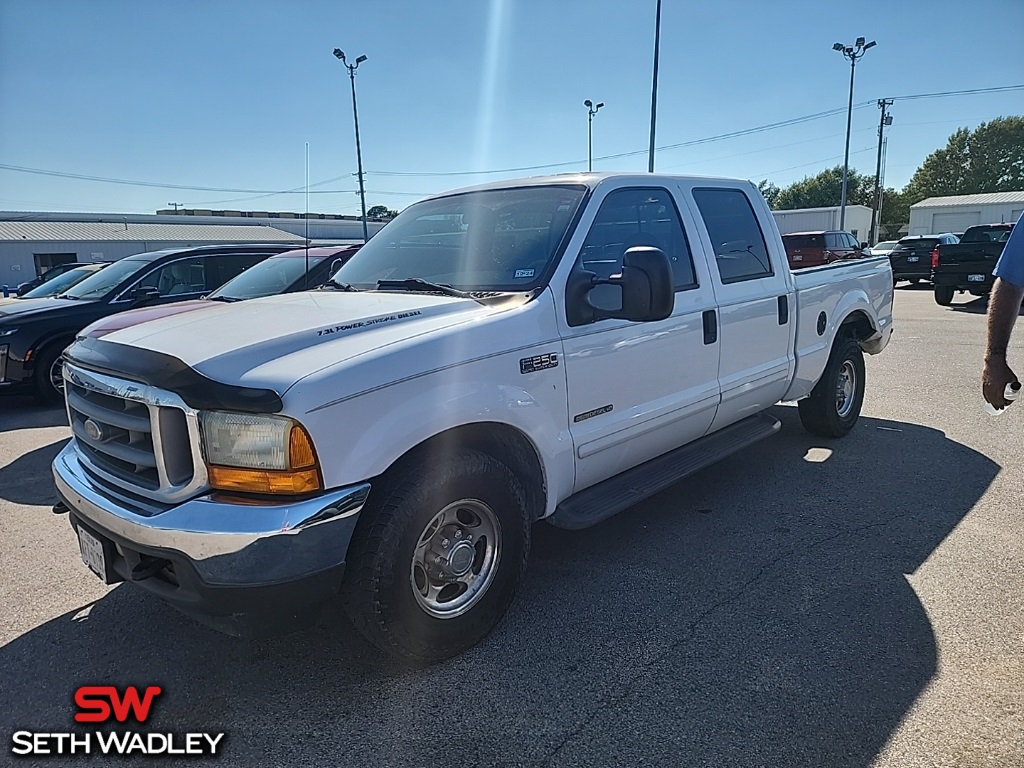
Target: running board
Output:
[(609, 497)]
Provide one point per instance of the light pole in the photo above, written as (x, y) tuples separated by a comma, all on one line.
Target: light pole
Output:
[(876, 211), (852, 53), (340, 55), (654, 86), (591, 111)]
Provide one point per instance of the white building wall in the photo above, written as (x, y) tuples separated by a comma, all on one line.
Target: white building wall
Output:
[(956, 218), (858, 220)]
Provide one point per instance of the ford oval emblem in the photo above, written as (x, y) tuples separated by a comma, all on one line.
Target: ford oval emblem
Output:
[(93, 430)]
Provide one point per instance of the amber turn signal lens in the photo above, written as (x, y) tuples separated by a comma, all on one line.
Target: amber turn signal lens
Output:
[(264, 481), (300, 449)]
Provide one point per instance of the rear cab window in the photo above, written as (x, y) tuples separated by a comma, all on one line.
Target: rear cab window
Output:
[(736, 237)]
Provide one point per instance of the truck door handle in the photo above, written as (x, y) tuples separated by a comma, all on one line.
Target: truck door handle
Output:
[(783, 310), (710, 327)]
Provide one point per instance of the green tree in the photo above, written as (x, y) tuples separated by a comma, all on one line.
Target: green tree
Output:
[(826, 189), (988, 159), (895, 213), (380, 212), (770, 192)]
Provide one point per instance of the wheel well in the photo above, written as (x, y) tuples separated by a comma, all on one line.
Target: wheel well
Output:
[(505, 443), (857, 325), (40, 349)]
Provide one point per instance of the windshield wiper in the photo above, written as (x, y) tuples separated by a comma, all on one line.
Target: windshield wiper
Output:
[(227, 299), (418, 283), (337, 285), (69, 298)]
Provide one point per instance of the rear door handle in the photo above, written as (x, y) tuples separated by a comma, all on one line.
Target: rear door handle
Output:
[(783, 310), (710, 326)]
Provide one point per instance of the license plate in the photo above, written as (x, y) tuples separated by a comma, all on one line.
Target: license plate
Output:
[(913, 258), (92, 553), (976, 278)]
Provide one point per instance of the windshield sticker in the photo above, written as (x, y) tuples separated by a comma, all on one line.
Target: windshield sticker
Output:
[(367, 323), (525, 272)]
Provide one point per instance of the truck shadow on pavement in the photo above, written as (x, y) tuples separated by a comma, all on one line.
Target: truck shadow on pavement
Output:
[(755, 614), (22, 412)]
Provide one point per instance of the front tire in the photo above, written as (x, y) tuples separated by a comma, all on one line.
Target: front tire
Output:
[(49, 381), (437, 556), (834, 404), (944, 295)]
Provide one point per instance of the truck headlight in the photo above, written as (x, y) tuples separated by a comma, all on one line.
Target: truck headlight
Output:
[(258, 454)]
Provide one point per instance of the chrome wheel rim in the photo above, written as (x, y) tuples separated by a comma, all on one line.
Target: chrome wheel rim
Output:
[(456, 557), (846, 388), (57, 375)]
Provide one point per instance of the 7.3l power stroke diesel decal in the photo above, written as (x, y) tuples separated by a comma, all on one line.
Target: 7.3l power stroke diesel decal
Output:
[(367, 323), (538, 362), (591, 414)]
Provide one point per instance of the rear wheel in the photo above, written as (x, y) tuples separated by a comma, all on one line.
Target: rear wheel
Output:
[(437, 556), (835, 402), (944, 295)]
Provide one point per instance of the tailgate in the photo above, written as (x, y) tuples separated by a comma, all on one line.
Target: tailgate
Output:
[(975, 254)]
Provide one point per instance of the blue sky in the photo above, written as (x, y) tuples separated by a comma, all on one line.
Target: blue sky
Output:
[(225, 94)]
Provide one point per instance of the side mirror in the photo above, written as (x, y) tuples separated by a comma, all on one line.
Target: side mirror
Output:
[(646, 283), (23, 288), (863, 246), (142, 296)]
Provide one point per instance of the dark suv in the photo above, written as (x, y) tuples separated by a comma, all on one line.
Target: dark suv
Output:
[(911, 259), (34, 332)]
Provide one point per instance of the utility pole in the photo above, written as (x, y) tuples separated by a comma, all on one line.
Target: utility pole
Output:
[(176, 206), (340, 55), (654, 87), (876, 209)]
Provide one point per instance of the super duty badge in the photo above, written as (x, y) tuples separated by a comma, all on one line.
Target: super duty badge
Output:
[(538, 362)]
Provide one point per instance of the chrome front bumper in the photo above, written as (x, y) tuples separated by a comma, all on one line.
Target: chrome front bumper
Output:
[(228, 544)]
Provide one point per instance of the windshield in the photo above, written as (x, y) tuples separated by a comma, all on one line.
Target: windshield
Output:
[(99, 285), (927, 243), (59, 283), (269, 277), (493, 240), (796, 242)]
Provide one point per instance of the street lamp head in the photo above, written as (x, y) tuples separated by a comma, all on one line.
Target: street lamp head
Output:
[(835, 47), (888, 119), (599, 105), (872, 44), (339, 54), (588, 103), (360, 60), (860, 42)]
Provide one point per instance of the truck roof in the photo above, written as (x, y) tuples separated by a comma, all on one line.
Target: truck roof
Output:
[(590, 180)]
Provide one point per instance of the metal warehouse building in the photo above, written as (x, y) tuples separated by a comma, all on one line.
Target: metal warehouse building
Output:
[(31, 242), (858, 220), (937, 215)]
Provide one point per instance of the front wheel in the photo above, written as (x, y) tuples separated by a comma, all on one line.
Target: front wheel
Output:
[(435, 560), (944, 295), (49, 375), (835, 402)]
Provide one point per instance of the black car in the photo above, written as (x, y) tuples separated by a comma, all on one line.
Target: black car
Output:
[(49, 274), (34, 332), (911, 259), (968, 265)]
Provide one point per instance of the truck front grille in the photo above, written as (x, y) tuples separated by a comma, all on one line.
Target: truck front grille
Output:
[(140, 438)]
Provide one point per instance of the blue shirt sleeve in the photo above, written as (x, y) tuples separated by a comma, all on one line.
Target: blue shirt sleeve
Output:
[(1010, 266)]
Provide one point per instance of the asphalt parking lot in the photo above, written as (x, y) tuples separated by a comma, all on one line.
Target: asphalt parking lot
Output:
[(806, 602)]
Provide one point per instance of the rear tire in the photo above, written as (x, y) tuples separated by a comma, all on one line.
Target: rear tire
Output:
[(944, 295), (834, 404), (49, 384), (403, 589)]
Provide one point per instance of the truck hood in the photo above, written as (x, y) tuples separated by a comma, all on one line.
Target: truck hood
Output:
[(275, 341), (132, 317)]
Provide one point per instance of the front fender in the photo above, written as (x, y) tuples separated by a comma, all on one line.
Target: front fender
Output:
[(361, 437)]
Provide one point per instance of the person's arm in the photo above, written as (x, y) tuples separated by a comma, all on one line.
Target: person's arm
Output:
[(1003, 308)]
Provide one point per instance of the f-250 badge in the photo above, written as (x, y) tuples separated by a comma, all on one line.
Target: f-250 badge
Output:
[(538, 362)]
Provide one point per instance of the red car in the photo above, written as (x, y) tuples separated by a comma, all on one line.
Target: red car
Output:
[(812, 249)]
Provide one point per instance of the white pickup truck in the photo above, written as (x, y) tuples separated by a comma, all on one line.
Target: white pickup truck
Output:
[(554, 348)]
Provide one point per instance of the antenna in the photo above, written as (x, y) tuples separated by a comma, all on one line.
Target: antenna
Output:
[(305, 280)]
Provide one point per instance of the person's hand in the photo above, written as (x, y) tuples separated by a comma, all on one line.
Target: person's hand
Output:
[(994, 378)]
